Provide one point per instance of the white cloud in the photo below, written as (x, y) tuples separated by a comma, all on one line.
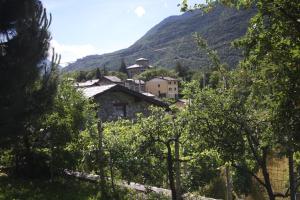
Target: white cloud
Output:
[(70, 53), (140, 11)]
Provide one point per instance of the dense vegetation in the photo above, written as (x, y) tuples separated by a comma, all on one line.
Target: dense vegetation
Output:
[(171, 41), (219, 145)]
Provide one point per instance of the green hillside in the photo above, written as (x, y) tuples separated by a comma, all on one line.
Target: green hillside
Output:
[(171, 41)]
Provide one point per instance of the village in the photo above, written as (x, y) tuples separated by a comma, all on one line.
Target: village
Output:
[(150, 100), (125, 98)]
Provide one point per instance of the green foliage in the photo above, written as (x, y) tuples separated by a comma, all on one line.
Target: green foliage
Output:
[(267, 85), (215, 189), (81, 76), (120, 75), (182, 71), (39, 189), (203, 169), (123, 67), (132, 161), (27, 82), (71, 114), (155, 72)]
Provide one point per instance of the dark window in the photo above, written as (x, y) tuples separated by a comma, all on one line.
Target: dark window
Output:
[(174, 82), (120, 109), (170, 82), (158, 85), (162, 95), (175, 89), (170, 89)]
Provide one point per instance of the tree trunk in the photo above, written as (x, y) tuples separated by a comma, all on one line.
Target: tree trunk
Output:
[(104, 194), (177, 170), (292, 175), (112, 175), (51, 162), (228, 183), (171, 172), (266, 176)]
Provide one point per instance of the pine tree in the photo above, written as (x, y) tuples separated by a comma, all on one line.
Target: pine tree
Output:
[(105, 72), (123, 67), (27, 82), (98, 73), (182, 71)]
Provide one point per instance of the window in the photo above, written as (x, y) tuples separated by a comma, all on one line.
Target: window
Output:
[(162, 95), (170, 82), (158, 85), (170, 89), (120, 109), (175, 89), (174, 82)]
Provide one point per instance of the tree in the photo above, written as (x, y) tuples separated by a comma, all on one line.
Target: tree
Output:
[(71, 114), (182, 71), (28, 81), (98, 73), (24, 46), (123, 67), (155, 72), (104, 71), (272, 56), (165, 131)]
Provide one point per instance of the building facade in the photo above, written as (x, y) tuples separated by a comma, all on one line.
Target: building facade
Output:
[(136, 85), (141, 65), (116, 101), (163, 87)]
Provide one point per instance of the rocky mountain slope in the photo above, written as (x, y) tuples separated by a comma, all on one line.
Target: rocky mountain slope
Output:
[(171, 41)]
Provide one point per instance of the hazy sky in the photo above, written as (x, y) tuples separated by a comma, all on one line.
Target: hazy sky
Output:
[(85, 27)]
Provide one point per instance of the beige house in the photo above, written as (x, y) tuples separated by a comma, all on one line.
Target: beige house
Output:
[(141, 65), (163, 87)]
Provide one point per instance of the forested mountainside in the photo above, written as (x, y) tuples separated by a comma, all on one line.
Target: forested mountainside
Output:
[(171, 41)]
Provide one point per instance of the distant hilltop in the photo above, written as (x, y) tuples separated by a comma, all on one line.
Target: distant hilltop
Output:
[(171, 41)]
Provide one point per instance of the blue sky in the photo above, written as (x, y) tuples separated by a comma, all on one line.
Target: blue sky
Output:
[(81, 28)]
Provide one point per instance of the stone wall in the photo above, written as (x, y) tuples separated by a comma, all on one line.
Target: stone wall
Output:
[(112, 104)]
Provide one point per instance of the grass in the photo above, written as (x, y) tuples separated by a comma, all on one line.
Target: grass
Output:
[(40, 189), (61, 188)]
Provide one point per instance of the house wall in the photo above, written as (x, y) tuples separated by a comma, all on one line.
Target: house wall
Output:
[(135, 87), (172, 89), (112, 103), (162, 88), (158, 87)]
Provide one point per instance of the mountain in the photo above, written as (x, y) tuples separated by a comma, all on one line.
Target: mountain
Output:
[(171, 41)]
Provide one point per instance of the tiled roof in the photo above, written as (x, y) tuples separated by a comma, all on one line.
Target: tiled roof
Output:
[(142, 59), (113, 79), (169, 78), (134, 66), (87, 83), (138, 66), (148, 94), (93, 91), (90, 92), (164, 78)]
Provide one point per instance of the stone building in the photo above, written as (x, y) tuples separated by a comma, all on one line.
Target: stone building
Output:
[(141, 65), (104, 80), (117, 101), (136, 85), (163, 87)]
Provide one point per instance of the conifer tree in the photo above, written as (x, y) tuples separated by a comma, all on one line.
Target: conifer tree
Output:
[(123, 67), (27, 81), (98, 73)]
